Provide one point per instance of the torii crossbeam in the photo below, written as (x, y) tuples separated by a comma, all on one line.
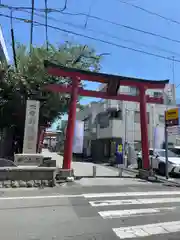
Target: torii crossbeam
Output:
[(113, 83)]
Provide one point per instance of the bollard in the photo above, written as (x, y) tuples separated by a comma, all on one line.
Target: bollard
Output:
[(94, 171), (125, 161), (120, 172)]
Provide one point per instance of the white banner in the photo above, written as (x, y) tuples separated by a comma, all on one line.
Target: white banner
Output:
[(158, 137), (31, 126), (78, 137)]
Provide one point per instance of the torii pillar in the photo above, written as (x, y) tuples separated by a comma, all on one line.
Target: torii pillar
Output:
[(144, 127), (68, 148)]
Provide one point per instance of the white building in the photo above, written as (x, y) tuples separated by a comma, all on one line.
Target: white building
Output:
[(113, 120)]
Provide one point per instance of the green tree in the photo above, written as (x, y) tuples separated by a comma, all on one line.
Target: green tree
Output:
[(30, 77)]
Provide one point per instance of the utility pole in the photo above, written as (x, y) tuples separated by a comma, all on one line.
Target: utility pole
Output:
[(133, 129), (173, 70), (46, 22), (125, 127), (152, 124), (13, 40), (125, 136), (32, 23)]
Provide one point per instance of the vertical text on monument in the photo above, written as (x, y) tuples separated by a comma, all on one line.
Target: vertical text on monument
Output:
[(31, 126)]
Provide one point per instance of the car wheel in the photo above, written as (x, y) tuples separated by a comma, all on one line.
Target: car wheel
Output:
[(162, 169)]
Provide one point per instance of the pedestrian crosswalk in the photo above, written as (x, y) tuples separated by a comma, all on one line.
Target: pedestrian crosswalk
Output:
[(151, 213)]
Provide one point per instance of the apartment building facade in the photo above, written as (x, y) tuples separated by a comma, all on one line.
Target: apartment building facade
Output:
[(110, 121)]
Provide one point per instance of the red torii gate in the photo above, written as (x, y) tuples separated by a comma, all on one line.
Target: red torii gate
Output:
[(113, 83)]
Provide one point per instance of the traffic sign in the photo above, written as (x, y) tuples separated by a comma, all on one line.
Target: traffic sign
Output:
[(174, 130), (172, 117)]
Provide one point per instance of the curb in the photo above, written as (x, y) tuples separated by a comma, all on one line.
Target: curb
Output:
[(169, 182), (155, 178)]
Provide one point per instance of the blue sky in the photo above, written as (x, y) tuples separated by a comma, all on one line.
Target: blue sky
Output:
[(119, 61)]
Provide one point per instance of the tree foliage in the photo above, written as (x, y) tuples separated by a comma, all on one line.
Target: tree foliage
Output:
[(30, 76)]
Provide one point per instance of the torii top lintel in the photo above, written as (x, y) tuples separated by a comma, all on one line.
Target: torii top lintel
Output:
[(111, 80)]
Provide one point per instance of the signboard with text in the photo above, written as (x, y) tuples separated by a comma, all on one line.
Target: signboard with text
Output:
[(172, 117), (119, 154)]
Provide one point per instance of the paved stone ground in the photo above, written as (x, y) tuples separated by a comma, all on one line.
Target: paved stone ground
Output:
[(85, 168)]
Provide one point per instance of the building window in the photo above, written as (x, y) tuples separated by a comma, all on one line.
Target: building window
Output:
[(161, 118), (134, 91), (86, 123), (116, 115), (158, 94), (103, 120), (137, 117)]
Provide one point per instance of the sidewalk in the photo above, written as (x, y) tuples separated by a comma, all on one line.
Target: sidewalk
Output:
[(85, 169)]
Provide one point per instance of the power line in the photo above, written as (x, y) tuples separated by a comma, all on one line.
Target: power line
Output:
[(107, 34), (103, 33), (101, 19), (95, 39), (65, 6), (150, 12), (60, 10), (113, 36), (89, 12)]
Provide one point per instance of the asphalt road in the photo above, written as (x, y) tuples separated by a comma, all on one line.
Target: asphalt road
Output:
[(96, 212)]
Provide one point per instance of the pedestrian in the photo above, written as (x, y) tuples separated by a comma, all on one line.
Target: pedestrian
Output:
[(16, 146)]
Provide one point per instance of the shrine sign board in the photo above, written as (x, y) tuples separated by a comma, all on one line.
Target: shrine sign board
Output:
[(172, 117), (31, 126)]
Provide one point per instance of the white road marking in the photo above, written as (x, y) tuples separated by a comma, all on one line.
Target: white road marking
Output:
[(103, 203), (132, 212), (147, 230), (40, 197), (96, 195), (130, 194)]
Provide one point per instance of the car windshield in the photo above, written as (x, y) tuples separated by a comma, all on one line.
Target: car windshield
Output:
[(176, 151), (163, 154)]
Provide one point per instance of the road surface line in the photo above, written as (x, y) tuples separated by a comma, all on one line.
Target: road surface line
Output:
[(133, 212), (147, 230), (137, 201), (40, 197), (97, 195), (131, 194)]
